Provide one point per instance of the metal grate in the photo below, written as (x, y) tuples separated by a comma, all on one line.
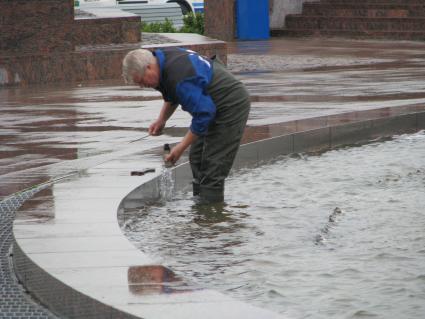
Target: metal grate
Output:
[(14, 301)]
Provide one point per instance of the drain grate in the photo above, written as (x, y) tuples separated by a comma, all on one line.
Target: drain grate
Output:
[(14, 301)]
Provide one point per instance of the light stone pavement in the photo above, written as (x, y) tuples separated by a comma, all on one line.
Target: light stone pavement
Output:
[(48, 132), (15, 302)]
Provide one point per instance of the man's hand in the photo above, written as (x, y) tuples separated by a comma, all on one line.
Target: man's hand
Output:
[(178, 150), (175, 153), (166, 111), (156, 127)]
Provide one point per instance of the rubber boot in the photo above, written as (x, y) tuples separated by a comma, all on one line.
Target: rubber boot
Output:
[(210, 195), (196, 189)]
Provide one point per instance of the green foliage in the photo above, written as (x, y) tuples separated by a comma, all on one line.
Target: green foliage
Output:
[(192, 23), (159, 27), (168, 27), (151, 27)]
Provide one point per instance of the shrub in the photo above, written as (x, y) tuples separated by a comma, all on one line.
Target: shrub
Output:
[(159, 27), (192, 23), (168, 26)]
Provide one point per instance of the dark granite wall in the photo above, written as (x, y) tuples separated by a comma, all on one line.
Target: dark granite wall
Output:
[(36, 26), (107, 30), (220, 19), (84, 64), (40, 42)]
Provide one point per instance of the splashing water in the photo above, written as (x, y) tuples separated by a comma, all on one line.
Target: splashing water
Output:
[(166, 184)]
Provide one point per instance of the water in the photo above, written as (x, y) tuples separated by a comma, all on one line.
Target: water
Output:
[(166, 184), (340, 235)]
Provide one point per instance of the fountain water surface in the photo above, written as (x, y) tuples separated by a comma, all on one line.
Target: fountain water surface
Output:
[(330, 236)]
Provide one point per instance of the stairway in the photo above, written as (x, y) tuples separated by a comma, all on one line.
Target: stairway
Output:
[(386, 19)]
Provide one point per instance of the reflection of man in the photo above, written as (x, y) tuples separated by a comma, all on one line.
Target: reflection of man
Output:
[(156, 279), (218, 103)]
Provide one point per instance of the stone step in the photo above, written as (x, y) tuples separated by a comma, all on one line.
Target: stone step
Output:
[(394, 19), (363, 11), (300, 22), (367, 2), (400, 35)]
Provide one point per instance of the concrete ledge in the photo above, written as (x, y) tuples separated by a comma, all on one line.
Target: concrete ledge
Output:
[(312, 140), (70, 253), (421, 121), (351, 133)]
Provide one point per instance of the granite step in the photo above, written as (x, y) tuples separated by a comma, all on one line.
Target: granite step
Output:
[(363, 11), (393, 19), (367, 2), (399, 35), (297, 22)]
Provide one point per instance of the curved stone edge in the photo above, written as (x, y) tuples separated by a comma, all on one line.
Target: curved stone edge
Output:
[(67, 300), (56, 295), (14, 301), (54, 284), (329, 137)]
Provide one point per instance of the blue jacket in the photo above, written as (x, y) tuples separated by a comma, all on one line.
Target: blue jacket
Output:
[(184, 80)]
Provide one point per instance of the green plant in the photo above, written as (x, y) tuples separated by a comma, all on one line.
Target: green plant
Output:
[(193, 23), (159, 27), (168, 26)]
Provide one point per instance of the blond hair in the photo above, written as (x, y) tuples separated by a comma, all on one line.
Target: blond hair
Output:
[(136, 61)]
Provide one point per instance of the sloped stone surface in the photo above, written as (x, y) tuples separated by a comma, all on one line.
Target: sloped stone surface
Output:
[(390, 19)]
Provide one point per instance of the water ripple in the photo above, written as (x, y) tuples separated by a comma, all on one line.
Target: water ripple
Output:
[(339, 235)]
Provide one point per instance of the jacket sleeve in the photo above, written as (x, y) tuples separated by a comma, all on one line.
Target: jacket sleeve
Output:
[(200, 105)]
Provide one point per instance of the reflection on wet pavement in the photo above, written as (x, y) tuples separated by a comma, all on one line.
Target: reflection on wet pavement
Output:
[(280, 54), (42, 129), (155, 279), (46, 132)]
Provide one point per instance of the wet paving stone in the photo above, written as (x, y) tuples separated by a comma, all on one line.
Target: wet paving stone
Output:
[(49, 132)]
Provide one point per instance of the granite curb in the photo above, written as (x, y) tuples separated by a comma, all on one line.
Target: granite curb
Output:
[(15, 302)]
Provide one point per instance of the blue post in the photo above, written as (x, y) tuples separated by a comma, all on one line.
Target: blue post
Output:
[(252, 19)]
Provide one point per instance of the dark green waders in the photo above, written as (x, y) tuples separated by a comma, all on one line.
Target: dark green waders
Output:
[(211, 156)]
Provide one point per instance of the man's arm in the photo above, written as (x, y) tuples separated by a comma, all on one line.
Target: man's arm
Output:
[(166, 111)]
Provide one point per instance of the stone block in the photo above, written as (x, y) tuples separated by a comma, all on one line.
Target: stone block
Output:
[(392, 19), (220, 19), (274, 147), (107, 31), (32, 12), (36, 26), (351, 133), (420, 121), (247, 156), (312, 141), (395, 125), (36, 38), (41, 43)]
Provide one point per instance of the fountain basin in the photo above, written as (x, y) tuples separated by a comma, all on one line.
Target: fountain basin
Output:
[(70, 253)]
